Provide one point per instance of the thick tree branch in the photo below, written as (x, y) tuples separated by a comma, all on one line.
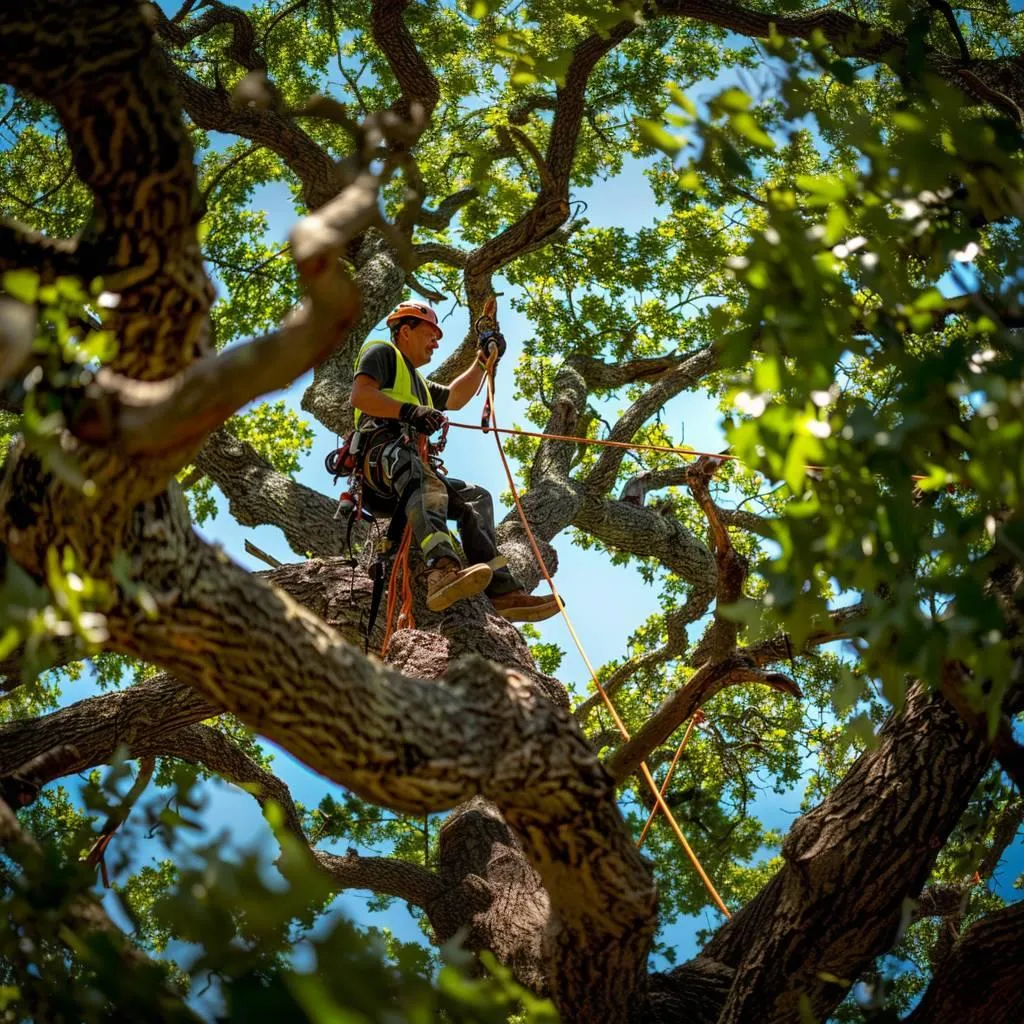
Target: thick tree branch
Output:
[(441, 216), (137, 161), (849, 866), (551, 207), (602, 376), (644, 533), (983, 977), (257, 495), (437, 252), (403, 743), (413, 74), (385, 875), (88, 733)]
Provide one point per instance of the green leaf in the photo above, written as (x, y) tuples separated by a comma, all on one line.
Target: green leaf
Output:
[(751, 130), (22, 285), (655, 135)]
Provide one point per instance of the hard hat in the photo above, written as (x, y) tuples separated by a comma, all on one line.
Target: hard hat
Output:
[(417, 310)]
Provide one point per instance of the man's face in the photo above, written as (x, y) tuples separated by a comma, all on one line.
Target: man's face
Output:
[(418, 342)]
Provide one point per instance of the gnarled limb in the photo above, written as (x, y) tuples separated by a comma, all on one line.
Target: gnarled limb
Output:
[(131, 150), (849, 866), (170, 418), (385, 875), (719, 640), (258, 495), (983, 977), (644, 533), (90, 732), (438, 252), (441, 216), (709, 679), (243, 48), (684, 376), (404, 743), (602, 376), (214, 109), (414, 77)]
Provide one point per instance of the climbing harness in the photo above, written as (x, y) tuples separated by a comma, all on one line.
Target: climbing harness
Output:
[(369, 458)]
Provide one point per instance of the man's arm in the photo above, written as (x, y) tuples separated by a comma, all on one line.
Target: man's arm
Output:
[(367, 398), (463, 388)]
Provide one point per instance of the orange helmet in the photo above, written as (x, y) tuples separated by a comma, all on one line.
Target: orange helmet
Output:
[(417, 310)]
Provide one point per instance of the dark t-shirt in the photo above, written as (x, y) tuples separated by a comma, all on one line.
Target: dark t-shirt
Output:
[(381, 363)]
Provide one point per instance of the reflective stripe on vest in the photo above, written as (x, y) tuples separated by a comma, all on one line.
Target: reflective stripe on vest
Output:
[(402, 389)]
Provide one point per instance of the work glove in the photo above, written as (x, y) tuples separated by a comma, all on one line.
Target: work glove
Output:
[(485, 339), (421, 417)]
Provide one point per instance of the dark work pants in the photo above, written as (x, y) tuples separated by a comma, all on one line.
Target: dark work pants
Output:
[(433, 502)]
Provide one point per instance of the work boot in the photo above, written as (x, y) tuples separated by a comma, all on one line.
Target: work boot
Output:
[(520, 606), (447, 583)]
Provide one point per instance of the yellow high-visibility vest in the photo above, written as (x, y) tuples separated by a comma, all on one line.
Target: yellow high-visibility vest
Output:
[(402, 389)]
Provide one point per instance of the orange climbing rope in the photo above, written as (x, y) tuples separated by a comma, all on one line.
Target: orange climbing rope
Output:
[(698, 717), (401, 580), (687, 453), (619, 724)]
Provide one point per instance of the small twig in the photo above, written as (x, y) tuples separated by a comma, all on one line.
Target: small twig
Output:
[(262, 555), (430, 294)]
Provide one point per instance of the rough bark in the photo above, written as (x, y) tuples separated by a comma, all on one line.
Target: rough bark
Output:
[(850, 865), (411, 745), (982, 979), (257, 494), (535, 858)]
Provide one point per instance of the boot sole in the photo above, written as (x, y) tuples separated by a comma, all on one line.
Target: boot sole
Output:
[(536, 613), (468, 586)]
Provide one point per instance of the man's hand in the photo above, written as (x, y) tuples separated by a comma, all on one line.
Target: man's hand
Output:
[(485, 339), (421, 417)]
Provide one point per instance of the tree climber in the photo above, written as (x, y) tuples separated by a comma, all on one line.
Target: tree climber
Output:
[(394, 407)]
